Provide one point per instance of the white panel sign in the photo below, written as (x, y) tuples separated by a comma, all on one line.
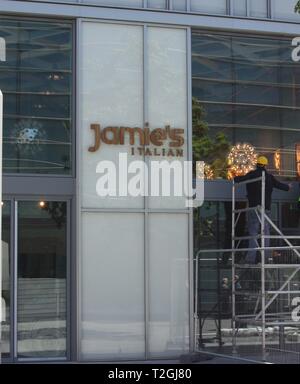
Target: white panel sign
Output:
[(112, 96)]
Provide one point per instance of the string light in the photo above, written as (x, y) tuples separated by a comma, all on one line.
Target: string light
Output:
[(277, 159), (298, 158), (208, 172), (200, 170), (241, 160)]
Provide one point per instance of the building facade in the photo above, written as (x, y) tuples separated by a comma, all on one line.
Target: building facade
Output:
[(91, 278)]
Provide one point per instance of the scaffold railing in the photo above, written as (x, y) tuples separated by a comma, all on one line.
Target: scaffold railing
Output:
[(264, 298)]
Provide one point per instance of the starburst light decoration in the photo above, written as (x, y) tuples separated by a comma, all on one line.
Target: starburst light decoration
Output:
[(29, 136), (241, 160)]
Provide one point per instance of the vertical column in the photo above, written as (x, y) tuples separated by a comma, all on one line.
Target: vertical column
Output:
[(1, 122), (169, 317), (112, 227)]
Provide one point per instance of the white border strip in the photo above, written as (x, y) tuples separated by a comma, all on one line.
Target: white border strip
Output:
[(2, 300)]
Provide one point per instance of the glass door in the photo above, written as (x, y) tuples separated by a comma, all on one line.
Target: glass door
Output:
[(6, 281), (41, 279), (35, 283)]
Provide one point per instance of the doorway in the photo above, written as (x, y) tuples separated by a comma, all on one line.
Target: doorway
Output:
[(35, 259)]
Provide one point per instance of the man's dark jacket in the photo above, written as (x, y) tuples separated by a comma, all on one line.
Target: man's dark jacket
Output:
[(254, 189)]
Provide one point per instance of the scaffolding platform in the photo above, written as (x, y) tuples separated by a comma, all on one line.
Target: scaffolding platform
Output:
[(259, 311)]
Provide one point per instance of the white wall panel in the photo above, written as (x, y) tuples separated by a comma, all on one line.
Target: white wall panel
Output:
[(169, 285), (167, 96), (112, 291), (112, 95)]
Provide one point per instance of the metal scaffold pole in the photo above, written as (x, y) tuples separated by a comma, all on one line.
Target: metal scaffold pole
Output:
[(263, 260), (252, 312), (233, 271)]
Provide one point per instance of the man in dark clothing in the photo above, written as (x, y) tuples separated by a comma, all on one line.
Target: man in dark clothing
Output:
[(254, 192)]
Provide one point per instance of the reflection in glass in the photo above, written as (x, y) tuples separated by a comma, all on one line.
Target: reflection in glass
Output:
[(212, 231), (284, 10), (246, 90), (212, 6), (5, 296), (240, 7), (41, 299), (259, 8), (179, 5), (162, 4), (36, 81)]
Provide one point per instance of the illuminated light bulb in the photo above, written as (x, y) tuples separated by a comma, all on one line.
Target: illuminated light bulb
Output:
[(277, 160), (42, 204), (208, 172)]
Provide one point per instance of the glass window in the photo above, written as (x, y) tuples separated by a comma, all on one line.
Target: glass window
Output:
[(212, 6), (41, 298), (240, 7), (212, 232), (162, 4), (36, 81), (258, 8), (284, 10), (179, 5), (246, 90), (120, 3), (6, 275), (290, 214)]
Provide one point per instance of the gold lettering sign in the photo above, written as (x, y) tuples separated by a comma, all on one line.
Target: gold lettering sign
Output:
[(143, 137)]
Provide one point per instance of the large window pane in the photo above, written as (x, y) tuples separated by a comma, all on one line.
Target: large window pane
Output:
[(284, 10), (240, 7), (162, 4), (179, 5), (6, 276), (246, 90), (212, 6), (41, 310), (36, 80), (258, 8), (120, 3)]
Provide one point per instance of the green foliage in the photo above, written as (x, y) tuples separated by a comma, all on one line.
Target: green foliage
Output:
[(211, 150), (297, 7)]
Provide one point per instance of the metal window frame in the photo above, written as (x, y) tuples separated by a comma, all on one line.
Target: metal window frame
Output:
[(23, 187), (13, 254), (71, 22), (185, 19), (169, 7)]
